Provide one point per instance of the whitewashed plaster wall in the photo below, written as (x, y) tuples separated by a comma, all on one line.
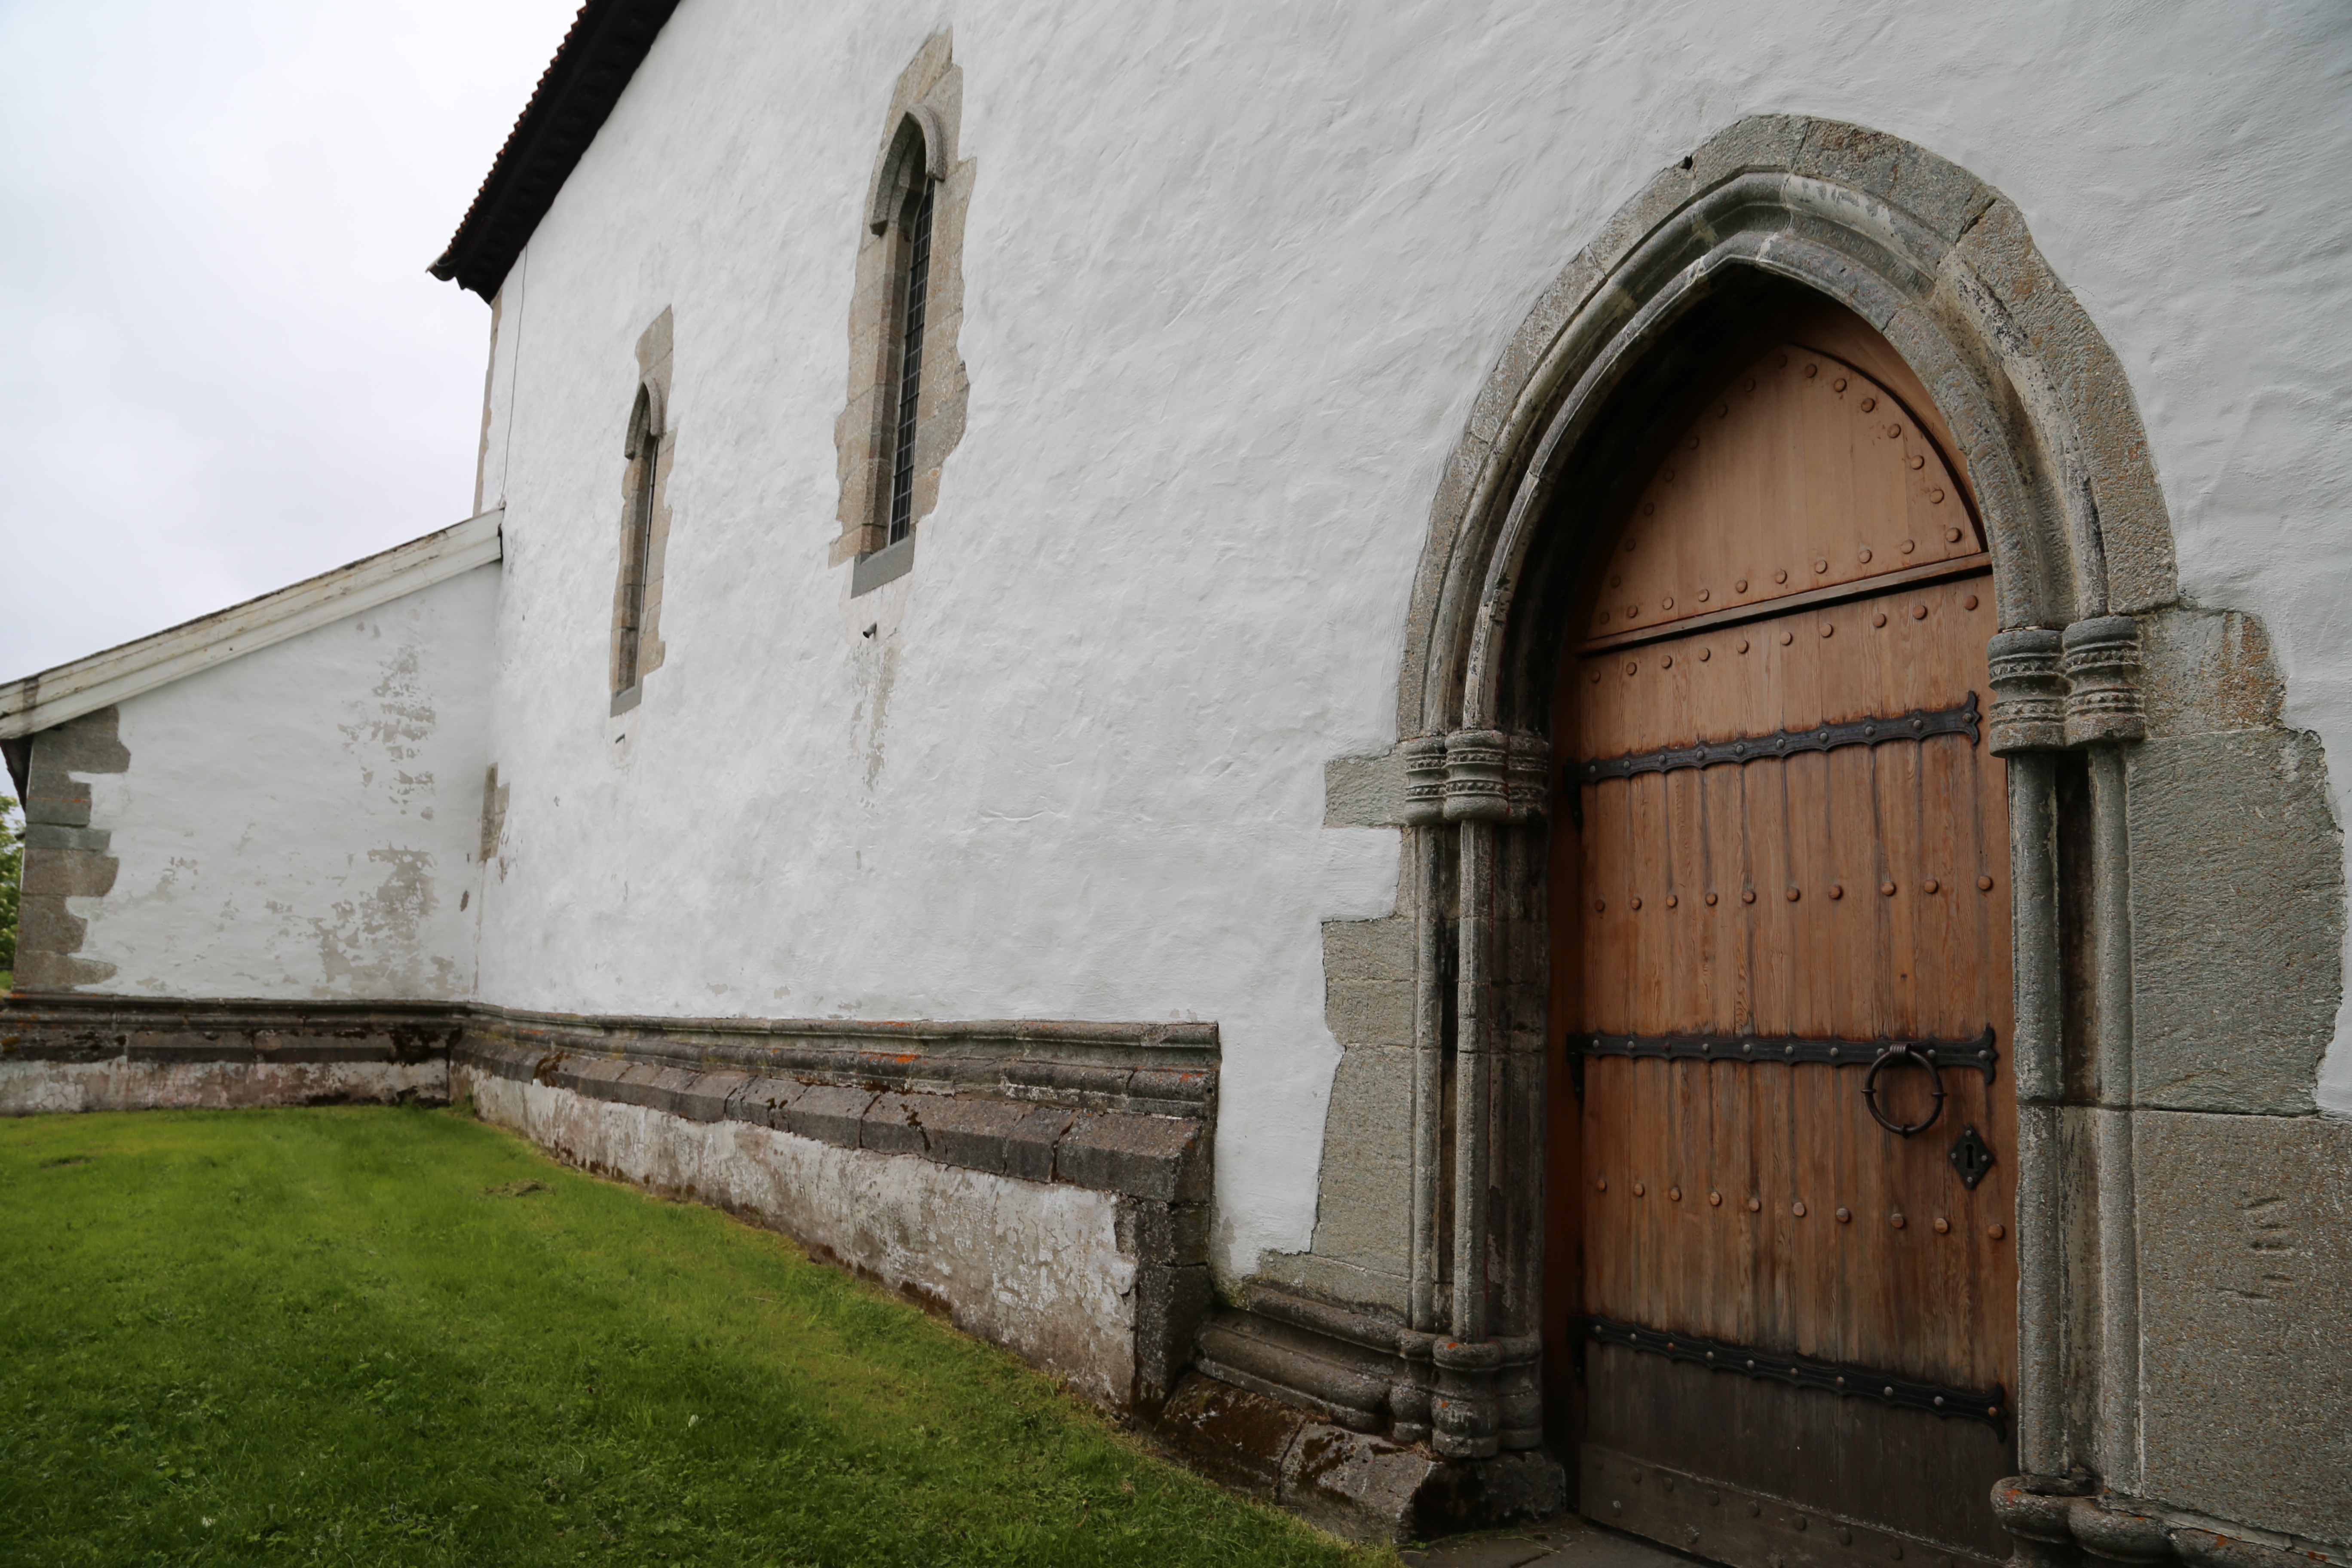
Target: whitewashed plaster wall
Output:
[(304, 821), (1232, 274)]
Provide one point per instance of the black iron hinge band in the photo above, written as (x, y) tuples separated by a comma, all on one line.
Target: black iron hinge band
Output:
[(1988, 1405), (1978, 1052), (1916, 726)]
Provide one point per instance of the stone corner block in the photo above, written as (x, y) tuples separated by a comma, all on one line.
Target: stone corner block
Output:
[(1364, 792), (1171, 1302), (2206, 671), (1161, 1157), (2237, 908), (1163, 1233), (2246, 1370), (1380, 950)]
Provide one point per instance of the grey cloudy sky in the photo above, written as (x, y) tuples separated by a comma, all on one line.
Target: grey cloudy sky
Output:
[(225, 367)]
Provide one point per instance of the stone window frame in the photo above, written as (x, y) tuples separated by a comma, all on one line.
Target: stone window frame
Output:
[(643, 543), (918, 146)]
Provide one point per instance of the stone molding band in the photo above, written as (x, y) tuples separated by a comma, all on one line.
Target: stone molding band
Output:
[(2058, 1522), (1037, 1121), (71, 1027), (1378, 1375), (2053, 691), (1119, 1108)]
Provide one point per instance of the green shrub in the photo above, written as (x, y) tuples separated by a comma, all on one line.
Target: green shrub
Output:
[(11, 873)]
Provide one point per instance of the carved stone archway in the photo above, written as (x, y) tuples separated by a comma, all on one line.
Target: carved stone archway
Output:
[(1942, 267), (1434, 1342)]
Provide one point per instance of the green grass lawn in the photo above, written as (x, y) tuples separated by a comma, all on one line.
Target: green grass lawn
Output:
[(393, 1336)]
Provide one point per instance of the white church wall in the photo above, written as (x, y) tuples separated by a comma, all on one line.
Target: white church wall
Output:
[(303, 821), (1232, 274)]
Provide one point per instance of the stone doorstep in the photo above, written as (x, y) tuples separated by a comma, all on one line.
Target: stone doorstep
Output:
[(1356, 1484), (1567, 1541)]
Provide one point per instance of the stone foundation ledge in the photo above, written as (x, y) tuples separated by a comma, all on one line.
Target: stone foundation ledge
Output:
[(1040, 1121), (1101, 1287), (1088, 1169), (76, 1053)]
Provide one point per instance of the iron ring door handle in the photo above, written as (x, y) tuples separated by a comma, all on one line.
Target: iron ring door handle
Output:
[(1898, 1056)]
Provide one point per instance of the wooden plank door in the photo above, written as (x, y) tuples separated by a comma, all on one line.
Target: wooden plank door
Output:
[(1781, 943)]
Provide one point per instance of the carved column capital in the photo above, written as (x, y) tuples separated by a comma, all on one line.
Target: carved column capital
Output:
[(1494, 775), (1424, 780), (2029, 694), (2101, 662), (1529, 770), (1478, 778)]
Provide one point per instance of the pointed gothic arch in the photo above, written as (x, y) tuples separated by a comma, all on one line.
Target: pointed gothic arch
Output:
[(2035, 411)]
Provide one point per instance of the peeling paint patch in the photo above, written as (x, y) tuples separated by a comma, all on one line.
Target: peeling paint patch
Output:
[(373, 945)]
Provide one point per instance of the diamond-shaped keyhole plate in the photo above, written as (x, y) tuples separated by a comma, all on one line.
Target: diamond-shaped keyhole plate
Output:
[(1971, 1157)]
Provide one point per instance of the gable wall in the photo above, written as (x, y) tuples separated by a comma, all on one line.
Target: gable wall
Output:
[(302, 822)]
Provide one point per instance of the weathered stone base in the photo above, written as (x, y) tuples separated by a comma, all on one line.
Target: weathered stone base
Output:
[(71, 1052), (124, 1083), (1355, 1484), (1034, 1266)]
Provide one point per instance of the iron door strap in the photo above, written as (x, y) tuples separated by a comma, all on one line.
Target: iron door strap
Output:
[(1916, 725), (1900, 1054), (1990, 1405), (1791, 1049)]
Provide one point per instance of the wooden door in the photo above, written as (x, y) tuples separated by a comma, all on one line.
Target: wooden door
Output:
[(1780, 927)]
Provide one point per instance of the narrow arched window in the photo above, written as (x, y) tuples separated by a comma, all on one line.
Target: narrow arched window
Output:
[(907, 391), (643, 452), (910, 359)]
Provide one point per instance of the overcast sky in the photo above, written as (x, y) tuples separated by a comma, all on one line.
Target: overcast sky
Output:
[(225, 367)]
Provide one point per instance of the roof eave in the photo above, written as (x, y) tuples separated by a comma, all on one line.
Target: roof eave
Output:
[(599, 53), (43, 702)]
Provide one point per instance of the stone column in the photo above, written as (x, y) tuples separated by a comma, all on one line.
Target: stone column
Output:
[(2100, 662)]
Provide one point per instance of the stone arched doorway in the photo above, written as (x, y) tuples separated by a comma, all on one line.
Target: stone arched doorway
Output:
[(1392, 1378), (1772, 220)]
